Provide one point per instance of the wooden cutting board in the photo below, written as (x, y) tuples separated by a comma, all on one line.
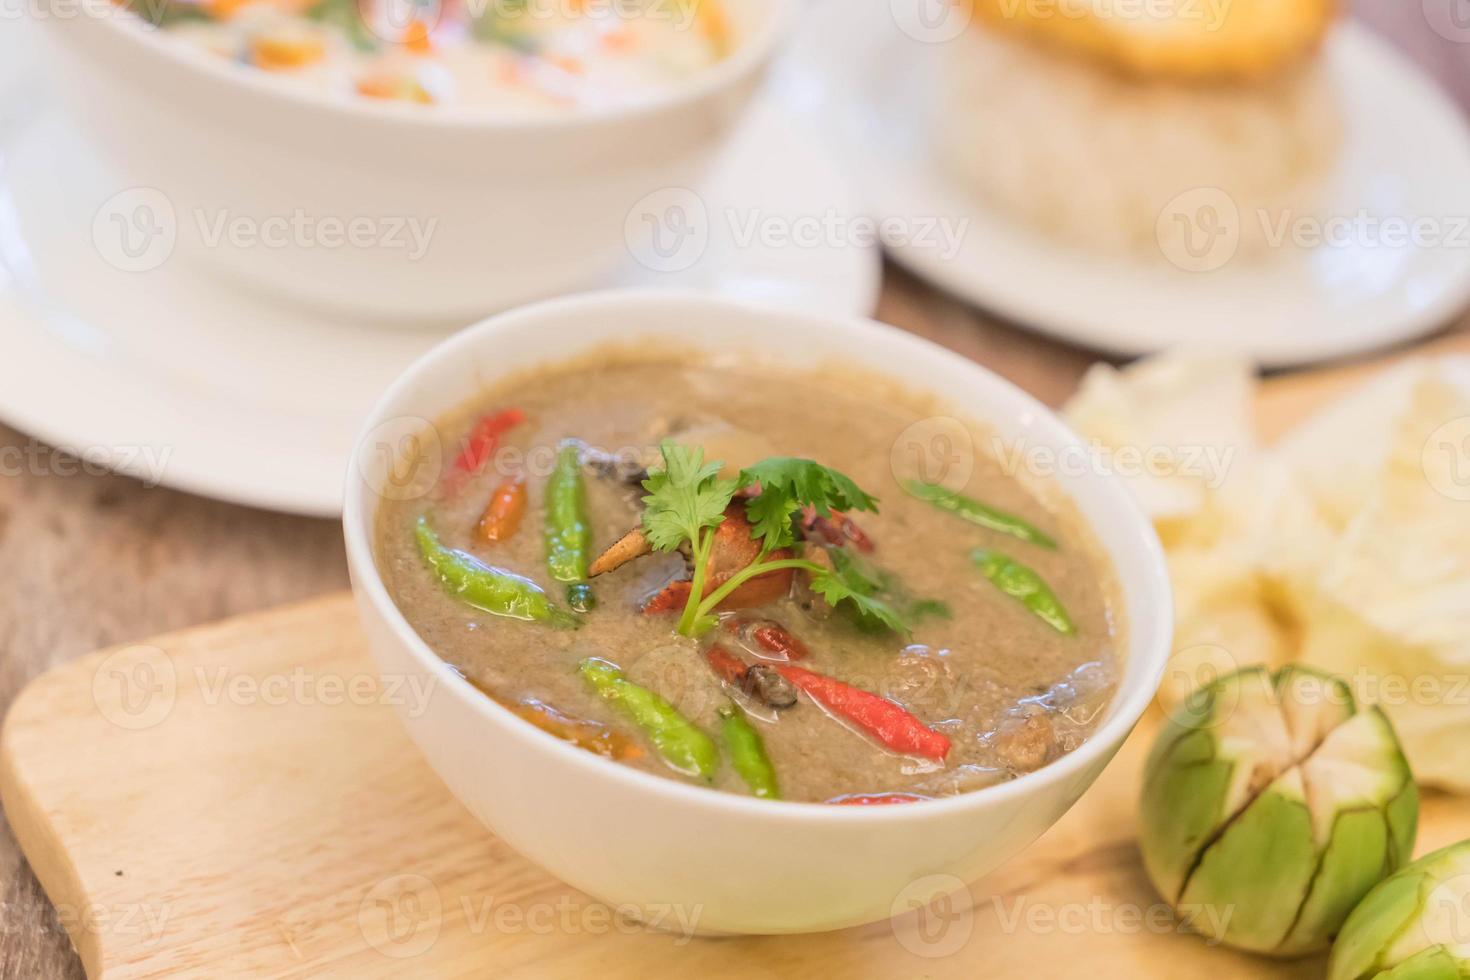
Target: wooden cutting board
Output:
[(239, 800)]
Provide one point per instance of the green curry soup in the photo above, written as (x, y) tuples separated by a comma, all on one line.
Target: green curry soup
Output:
[(722, 575)]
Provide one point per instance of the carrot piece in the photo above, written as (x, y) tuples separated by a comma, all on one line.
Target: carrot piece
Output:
[(714, 26), (274, 52), (879, 717), (511, 73), (416, 38), (387, 86), (223, 9), (503, 513), (621, 39)]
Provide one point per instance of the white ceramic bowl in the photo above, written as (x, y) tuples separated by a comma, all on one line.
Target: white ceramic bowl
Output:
[(745, 865), (520, 208)]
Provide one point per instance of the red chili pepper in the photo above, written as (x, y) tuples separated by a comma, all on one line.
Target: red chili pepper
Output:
[(503, 513), (727, 667), (486, 436), (777, 639), (891, 725), (876, 799), (770, 636)]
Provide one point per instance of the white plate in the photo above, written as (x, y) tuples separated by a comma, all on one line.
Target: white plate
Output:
[(1407, 153), (178, 379)]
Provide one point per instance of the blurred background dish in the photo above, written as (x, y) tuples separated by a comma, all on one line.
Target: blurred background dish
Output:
[(511, 206), (1292, 207), (238, 397), (1087, 137), (531, 57), (1241, 42)]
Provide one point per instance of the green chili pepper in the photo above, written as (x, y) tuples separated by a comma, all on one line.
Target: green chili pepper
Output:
[(978, 513), (682, 746), (568, 536), (748, 753), (485, 587), (1020, 582)]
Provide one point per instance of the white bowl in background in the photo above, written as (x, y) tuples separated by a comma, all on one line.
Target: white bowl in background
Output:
[(511, 208), (629, 837)]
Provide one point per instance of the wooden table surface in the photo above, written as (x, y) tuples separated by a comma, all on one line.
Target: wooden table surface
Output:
[(90, 559)]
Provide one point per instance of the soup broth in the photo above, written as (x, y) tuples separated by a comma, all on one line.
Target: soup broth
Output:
[(977, 637)]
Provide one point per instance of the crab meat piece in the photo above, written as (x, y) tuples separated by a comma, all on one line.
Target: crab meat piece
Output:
[(756, 681), (627, 468), (1026, 746), (632, 545), (837, 529), (812, 604), (671, 598), (733, 550)]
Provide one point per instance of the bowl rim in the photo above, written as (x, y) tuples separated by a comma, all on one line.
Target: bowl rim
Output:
[(747, 59), (1151, 641)]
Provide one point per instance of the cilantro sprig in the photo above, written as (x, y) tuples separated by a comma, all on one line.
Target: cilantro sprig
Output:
[(878, 600), (787, 485), (687, 500)]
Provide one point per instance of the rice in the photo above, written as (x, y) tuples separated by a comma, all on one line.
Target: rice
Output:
[(1097, 159)]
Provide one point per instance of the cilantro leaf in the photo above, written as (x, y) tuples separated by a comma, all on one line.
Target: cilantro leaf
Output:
[(684, 497), (851, 581), (870, 610), (789, 484), (858, 574), (770, 517)]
